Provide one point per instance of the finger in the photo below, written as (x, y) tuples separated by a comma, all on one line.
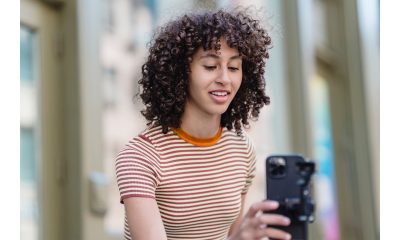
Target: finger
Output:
[(273, 233), (267, 205), (273, 219)]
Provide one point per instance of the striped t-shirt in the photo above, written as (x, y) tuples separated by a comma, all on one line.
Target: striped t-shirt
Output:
[(197, 184)]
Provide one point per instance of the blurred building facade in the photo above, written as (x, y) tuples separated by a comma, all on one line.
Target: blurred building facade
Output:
[(80, 63)]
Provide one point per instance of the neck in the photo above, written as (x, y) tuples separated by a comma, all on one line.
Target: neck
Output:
[(200, 125)]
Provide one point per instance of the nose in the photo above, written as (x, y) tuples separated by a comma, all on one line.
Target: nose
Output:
[(224, 77)]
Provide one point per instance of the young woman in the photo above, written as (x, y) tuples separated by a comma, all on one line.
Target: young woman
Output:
[(186, 176)]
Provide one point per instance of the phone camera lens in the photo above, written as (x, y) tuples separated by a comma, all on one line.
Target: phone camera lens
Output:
[(277, 167)]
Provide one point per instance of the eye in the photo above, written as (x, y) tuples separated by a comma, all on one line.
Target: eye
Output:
[(209, 68), (233, 69)]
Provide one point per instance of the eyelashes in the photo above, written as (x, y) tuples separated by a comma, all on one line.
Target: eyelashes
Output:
[(211, 68)]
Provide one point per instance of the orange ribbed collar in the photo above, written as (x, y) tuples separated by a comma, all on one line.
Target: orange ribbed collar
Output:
[(200, 142)]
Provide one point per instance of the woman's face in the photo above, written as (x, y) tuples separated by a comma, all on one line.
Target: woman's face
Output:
[(214, 80)]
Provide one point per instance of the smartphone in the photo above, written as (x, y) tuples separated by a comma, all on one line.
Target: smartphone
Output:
[(288, 182)]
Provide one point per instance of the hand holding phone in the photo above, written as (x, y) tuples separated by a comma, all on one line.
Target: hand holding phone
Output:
[(258, 226)]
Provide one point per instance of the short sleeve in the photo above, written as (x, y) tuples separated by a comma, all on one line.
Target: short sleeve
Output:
[(251, 166), (137, 170)]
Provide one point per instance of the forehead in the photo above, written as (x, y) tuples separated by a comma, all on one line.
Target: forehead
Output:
[(224, 52)]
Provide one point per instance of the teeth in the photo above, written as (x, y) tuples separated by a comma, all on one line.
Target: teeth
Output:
[(219, 93)]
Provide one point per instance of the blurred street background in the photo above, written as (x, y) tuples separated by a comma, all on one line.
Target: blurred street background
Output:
[(80, 61)]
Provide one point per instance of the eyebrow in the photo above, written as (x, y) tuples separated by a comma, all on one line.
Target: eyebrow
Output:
[(213, 55)]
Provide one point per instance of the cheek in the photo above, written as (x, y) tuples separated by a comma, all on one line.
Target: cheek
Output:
[(194, 87), (237, 82), (236, 85)]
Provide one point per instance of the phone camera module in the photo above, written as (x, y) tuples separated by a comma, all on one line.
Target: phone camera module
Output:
[(277, 167)]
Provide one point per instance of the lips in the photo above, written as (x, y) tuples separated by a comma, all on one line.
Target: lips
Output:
[(220, 92), (219, 96)]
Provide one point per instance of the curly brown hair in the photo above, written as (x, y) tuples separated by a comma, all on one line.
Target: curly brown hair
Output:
[(164, 80)]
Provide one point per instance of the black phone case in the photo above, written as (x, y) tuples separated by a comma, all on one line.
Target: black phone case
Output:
[(283, 184)]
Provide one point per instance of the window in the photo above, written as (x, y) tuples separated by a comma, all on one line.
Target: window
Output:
[(28, 138), (26, 55)]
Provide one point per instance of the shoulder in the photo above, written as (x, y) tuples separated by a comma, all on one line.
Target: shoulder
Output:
[(243, 138), (140, 146), (147, 142), (239, 142), (233, 136), (149, 137)]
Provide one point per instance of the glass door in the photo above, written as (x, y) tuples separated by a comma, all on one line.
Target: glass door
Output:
[(41, 141)]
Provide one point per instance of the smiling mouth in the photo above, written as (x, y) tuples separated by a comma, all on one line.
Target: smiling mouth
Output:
[(220, 93)]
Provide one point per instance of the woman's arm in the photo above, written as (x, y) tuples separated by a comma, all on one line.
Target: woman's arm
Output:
[(144, 219)]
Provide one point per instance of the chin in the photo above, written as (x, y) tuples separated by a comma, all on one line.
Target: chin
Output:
[(220, 110)]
